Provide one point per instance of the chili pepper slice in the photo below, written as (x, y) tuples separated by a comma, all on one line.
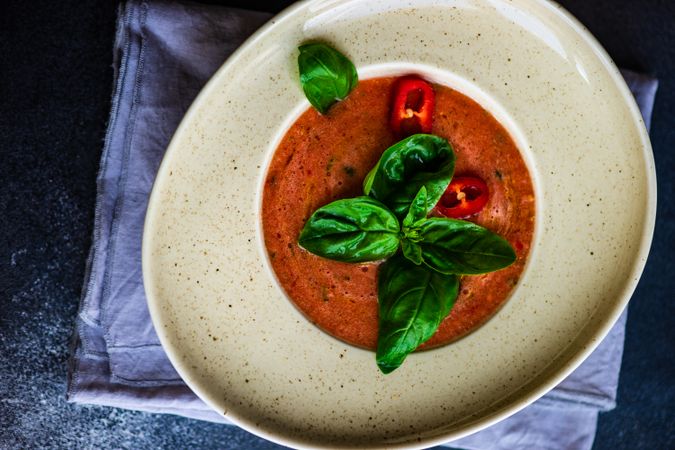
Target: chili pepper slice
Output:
[(413, 107), (464, 197)]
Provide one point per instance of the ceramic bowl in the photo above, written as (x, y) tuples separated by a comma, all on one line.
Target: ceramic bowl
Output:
[(243, 347)]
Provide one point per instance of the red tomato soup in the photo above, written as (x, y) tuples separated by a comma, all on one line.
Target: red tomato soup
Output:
[(325, 158)]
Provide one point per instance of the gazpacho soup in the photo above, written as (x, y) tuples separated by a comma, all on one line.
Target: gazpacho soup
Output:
[(454, 254)]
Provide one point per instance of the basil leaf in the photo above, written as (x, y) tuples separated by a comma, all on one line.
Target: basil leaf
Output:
[(326, 75), (418, 209), (351, 230), (416, 161), (413, 300), (412, 251), (416, 213), (459, 247)]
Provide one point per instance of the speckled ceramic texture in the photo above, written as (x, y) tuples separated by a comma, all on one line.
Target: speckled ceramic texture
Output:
[(244, 348)]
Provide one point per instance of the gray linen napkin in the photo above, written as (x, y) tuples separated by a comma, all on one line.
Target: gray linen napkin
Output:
[(163, 54)]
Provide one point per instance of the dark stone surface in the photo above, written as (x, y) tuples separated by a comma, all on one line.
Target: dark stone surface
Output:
[(55, 85)]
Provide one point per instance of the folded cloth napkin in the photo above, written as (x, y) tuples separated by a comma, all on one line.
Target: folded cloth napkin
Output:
[(164, 53)]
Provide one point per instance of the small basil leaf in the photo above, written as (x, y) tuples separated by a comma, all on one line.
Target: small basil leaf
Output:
[(413, 300), (418, 209), (412, 251), (416, 161), (352, 230), (368, 180), (326, 75), (459, 247)]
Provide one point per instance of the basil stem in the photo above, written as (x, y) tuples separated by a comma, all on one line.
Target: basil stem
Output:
[(416, 213), (352, 230), (458, 247), (413, 300), (421, 160), (326, 75)]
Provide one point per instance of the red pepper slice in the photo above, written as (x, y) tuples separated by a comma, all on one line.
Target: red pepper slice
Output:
[(464, 197), (413, 107)]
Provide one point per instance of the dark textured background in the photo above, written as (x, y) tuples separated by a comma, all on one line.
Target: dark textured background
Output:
[(55, 86)]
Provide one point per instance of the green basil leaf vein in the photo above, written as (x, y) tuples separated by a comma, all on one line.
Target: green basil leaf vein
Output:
[(459, 247), (352, 230), (405, 167), (326, 75), (413, 300)]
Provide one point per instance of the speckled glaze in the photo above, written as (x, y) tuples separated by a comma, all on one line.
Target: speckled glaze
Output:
[(244, 348)]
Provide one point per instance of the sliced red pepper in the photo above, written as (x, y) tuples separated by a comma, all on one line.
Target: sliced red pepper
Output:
[(413, 107), (464, 197)]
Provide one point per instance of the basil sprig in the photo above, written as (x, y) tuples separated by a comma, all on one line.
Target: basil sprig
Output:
[(413, 300), (419, 160), (417, 288), (326, 75)]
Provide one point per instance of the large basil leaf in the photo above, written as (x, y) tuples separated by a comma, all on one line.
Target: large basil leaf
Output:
[(326, 75), (419, 160), (352, 230), (458, 247), (413, 300)]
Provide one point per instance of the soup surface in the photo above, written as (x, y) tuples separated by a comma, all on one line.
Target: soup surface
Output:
[(325, 158)]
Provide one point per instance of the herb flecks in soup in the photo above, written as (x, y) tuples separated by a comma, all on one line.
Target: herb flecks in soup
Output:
[(322, 159)]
